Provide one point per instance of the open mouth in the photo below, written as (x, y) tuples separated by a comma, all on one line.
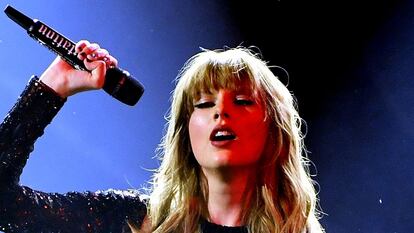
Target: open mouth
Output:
[(222, 135)]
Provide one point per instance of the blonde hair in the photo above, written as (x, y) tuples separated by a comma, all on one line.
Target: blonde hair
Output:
[(284, 200)]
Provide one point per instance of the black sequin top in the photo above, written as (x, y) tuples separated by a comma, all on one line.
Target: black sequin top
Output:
[(25, 210)]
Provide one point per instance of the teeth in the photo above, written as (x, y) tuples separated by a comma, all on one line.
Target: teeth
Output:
[(223, 133)]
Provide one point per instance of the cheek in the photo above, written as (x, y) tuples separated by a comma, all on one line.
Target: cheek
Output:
[(197, 128), (256, 134), (259, 134), (263, 133)]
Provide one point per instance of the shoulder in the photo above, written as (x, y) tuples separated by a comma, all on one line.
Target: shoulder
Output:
[(131, 203)]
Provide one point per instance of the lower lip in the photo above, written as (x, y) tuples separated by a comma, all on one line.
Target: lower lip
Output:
[(221, 143)]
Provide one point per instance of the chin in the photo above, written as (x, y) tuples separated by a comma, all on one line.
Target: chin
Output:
[(226, 159), (221, 163), (228, 162)]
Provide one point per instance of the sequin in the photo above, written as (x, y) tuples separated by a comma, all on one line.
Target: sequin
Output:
[(25, 210)]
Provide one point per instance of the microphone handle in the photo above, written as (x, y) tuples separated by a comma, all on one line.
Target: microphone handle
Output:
[(118, 83)]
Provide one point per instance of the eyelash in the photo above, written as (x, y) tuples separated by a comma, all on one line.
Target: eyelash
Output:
[(244, 102), (241, 102), (204, 105)]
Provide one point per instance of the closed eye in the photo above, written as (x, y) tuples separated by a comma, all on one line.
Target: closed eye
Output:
[(204, 105), (244, 102)]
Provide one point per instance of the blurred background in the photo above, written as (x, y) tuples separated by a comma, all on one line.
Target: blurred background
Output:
[(350, 64)]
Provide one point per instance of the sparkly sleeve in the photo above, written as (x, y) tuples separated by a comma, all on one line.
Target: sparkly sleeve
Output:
[(25, 210), (25, 122)]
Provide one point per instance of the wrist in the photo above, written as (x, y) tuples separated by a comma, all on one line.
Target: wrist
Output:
[(54, 82)]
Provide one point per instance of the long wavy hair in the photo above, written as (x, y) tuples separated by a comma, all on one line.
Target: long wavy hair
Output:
[(284, 199)]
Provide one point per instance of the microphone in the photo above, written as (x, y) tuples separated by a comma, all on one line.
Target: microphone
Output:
[(118, 83)]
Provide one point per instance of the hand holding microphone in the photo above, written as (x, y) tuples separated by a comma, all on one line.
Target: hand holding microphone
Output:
[(115, 81), (66, 81)]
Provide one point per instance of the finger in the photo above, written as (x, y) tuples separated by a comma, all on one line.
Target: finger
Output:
[(79, 48), (89, 50), (110, 61), (92, 64), (81, 45), (114, 61), (98, 71), (99, 54), (103, 54)]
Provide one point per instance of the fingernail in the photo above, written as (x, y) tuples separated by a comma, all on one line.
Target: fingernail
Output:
[(81, 55), (91, 56)]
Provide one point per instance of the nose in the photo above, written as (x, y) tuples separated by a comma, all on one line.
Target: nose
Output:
[(218, 115), (222, 109)]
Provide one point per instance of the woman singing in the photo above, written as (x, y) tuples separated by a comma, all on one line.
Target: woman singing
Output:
[(232, 159)]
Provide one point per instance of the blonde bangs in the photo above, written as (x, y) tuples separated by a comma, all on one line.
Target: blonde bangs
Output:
[(213, 74)]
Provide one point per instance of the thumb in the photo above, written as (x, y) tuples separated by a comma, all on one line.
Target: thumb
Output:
[(98, 72)]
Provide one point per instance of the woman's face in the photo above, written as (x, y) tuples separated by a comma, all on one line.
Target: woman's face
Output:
[(228, 128)]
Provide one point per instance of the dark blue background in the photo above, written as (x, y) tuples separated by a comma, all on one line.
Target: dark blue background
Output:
[(351, 69)]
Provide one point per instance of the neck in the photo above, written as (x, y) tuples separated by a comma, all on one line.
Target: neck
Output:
[(229, 193)]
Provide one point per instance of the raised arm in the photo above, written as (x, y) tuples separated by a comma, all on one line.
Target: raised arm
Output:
[(25, 210)]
